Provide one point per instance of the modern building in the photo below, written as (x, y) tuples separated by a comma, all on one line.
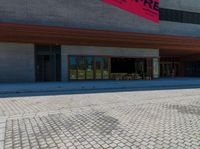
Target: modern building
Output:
[(69, 40)]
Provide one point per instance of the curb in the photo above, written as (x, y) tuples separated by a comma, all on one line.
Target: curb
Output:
[(187, 86)]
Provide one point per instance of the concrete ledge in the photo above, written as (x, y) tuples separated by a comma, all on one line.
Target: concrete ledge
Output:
[(99, 85)]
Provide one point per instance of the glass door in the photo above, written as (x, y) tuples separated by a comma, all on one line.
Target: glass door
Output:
[(89, 61), (102, 70), (155, 68), (166, 69), (106, 68), (72, 68), (99, 68), (47, 63), (176, 69), (139, 69), (81, 67), (149, 65)]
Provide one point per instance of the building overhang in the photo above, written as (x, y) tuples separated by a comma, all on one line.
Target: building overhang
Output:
[(169, 45)]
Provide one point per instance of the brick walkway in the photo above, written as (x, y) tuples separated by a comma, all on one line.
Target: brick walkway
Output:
[(168, 119)]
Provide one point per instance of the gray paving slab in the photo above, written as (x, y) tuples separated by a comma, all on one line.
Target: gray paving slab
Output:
[(146, 119)]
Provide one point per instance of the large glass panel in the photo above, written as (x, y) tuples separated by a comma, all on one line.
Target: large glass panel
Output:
[(155, 68), (81, 67), (148, 69), (139, 69), (89, 68), (105, 68), (168, 70), (99, 67), (198, 69), (72, 68), (176, 69)]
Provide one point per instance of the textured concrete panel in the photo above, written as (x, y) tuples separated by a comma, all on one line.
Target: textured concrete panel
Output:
[(185, 5), (109, 51), (173, 28), (17, 62), (94, 14), (106, 51)]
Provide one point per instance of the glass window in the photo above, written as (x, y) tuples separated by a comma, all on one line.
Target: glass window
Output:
[(105, 68), (155, 68), (72, 68), (81, 67), (149, 69), (102, 68), (89, 68), (99, 66), (139, 69)]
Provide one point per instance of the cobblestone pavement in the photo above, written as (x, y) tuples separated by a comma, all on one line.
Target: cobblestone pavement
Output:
[(167, 119)]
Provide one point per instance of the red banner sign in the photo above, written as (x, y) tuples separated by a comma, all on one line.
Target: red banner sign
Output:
[(148, 9)]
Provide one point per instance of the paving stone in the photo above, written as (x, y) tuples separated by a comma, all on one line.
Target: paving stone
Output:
[(146, 119)]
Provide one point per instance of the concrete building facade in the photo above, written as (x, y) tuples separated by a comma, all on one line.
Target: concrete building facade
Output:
[(17, 62), (62, 40)]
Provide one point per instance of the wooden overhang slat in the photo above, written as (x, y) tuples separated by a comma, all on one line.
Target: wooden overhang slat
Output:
[(10, 32)]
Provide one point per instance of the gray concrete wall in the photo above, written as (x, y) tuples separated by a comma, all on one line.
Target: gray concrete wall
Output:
[(16, 62), (185, 5), (94, 14), (174, 28), (102, 51)]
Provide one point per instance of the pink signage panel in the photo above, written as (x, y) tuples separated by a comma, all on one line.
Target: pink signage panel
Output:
[(148, 9)]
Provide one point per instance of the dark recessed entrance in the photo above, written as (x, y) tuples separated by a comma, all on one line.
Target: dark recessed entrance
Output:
[(130, 69), (48, 63), (170, 67)]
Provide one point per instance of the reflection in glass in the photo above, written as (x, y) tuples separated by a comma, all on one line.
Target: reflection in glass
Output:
[(89, 68), (81, 67), (148, 69), (155, 68), (99, 65), (73, 68), (139, 69), (105, 68)]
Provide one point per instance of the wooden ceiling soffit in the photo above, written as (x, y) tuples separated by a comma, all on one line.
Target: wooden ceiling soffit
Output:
[(59, 35)]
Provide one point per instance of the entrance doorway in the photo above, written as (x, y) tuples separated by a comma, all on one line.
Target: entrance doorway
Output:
[(130, 69), (48, 63), (169, 67)]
